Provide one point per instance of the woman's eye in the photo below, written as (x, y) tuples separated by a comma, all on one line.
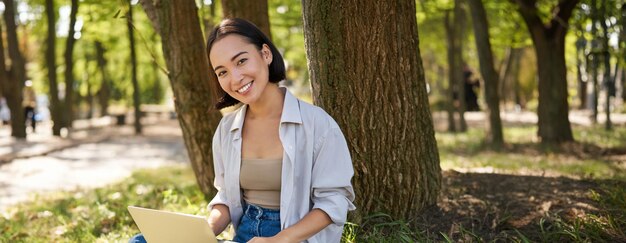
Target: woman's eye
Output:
[(242, 61), (221, 74)]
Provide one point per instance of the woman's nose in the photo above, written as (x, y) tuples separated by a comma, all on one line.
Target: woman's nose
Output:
[(237, 76)]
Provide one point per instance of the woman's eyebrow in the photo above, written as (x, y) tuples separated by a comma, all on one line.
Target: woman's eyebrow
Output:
[(231, 59)]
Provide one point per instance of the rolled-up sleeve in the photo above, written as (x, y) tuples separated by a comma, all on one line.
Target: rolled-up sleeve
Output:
[(331, 189), (218, 168)]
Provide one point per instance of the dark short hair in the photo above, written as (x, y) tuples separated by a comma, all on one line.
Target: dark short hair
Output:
[(255, 36)]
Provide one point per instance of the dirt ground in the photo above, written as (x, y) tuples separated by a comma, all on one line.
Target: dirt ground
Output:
[(494, 206)]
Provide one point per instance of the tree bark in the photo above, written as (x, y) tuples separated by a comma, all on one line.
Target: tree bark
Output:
[(55, 103), (366, 72), (69, 68), (253, 11), (185, 54), (549, 42), (133, 64), (485, 56), (15, 75), (104, 91)]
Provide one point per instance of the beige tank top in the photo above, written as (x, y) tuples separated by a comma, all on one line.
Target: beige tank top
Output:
[(260, 181)]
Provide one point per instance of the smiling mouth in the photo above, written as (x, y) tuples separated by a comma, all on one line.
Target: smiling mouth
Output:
[(245, 88)]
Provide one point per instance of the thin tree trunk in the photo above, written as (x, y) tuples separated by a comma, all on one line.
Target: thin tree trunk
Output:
[(366, 72), (55, 103), (606, 80), (581, 43), (191, 81), (459, 28), (504, 73), (622, 42), (253, 11), (549, 42), (514, 77), (452, 91), (104, 91), (69, 68), (15, 75), (485, 56), (208, 20), (595, 62), (133, 64)]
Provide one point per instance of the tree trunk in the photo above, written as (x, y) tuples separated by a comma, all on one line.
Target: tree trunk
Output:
[(503, 72), (622, 42), (606, 80), (191, 82), (459, 28), (595, 61), (485, 56), (55, 103), (514, 77), (13, 77), (208, 21), (452, 91), (69, 68), (367, 73), (104, 92), (253, 11), (507, 76), (549, 42), (133, 64), (581, 44), (89, 99)]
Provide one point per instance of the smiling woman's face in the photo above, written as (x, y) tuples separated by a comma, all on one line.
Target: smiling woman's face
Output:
[(241, 69)]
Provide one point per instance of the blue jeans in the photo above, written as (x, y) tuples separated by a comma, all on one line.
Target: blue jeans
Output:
[(138, 238), (257, 221)]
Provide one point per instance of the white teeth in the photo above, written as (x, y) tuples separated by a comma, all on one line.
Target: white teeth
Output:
[(245, 88)]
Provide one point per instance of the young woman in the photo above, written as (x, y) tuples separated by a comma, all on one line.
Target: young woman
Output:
[(282, 166)]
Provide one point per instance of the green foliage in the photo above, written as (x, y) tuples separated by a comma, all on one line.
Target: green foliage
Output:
[(288, 36)]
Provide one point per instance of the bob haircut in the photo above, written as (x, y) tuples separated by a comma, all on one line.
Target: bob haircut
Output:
[(253, 35)]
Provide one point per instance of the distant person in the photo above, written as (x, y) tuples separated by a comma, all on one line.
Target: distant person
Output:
[(5, 113), (469, 85), (29, 103)]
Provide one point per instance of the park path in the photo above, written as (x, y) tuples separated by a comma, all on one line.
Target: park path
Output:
[(90, 163)]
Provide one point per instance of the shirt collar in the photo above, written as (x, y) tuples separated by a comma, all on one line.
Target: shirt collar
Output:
[(290, 113)]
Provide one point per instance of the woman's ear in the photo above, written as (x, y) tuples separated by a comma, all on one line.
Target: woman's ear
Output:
[(267, 54)]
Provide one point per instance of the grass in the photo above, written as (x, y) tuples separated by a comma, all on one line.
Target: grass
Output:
[(100, 215), (524, 155)]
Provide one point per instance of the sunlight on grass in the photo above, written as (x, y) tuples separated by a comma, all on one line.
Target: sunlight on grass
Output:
[(100, 214), (523, 155)]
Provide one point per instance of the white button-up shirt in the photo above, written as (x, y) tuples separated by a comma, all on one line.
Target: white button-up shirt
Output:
[(316, 169)]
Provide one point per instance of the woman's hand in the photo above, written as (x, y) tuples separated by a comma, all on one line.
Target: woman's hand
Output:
[(273, 239)]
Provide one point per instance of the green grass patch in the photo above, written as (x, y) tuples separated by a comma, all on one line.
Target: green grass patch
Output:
[(100, 214), (524, 155)]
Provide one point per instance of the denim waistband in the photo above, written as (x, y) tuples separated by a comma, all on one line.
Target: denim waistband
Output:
[(257, 212)]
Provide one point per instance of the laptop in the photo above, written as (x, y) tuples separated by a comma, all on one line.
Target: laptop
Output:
[(166, 227)]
